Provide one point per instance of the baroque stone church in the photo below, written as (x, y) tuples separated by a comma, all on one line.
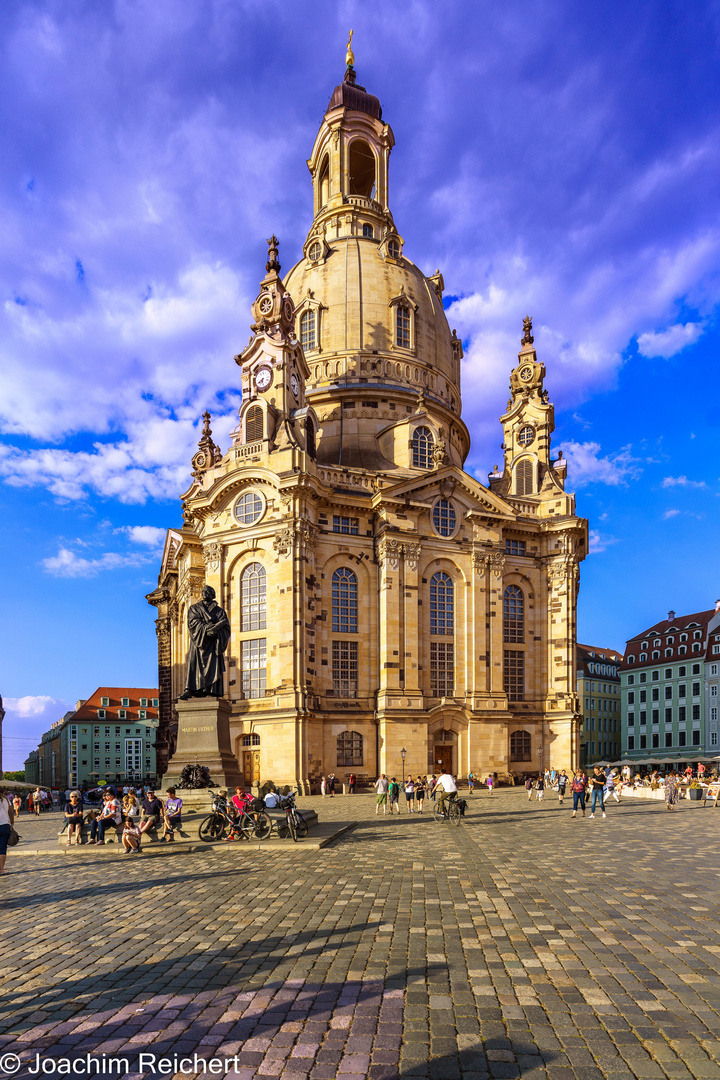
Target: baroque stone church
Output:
[(387, 609)]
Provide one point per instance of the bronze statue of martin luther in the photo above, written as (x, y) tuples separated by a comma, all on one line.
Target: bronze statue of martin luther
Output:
[(209, 631)]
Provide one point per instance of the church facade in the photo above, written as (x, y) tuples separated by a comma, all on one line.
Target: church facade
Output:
[(386, 608)]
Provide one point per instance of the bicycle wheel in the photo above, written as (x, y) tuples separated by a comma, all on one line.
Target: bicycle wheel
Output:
[(292, 827), (438, 812), (213, 827), (263, 826), (454, 814), (300, 824)]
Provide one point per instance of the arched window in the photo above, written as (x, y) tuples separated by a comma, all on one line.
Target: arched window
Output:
[(402, 326), (251, 740), (349, 749), (252, 597), (310, 437), (254, 424), (393, 249), (324, 182), (368, 231), (422, 448), (442, 602), (344, 602), (513, 614), (520, 746), (361, 170), (308, 329), (524, 481)]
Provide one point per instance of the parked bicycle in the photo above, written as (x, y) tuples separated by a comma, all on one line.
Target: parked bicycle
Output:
[(227, 823), (448, 811), (294, 821)]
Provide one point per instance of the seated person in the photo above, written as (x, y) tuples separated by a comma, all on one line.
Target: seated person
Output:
[(131, 807), (131, 837), (74, 818), (151, 813), (172, 818), (272, 800), (111, 814), (241, 799)]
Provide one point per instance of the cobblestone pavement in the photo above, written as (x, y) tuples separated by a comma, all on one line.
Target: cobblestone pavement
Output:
[(523, 943)]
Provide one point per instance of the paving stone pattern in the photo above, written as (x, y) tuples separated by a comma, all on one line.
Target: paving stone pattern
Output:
[(523, 943)]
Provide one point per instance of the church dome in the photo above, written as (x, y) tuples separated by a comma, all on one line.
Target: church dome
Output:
[(371, 323)]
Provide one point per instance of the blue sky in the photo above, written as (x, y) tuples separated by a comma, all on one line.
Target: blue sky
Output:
[(551, 157)]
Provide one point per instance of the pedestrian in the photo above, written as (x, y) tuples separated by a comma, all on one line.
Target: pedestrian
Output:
[(540, 787), (7, 818), (36, 802), (578, 787), (331, 785), (394, 793), (410, 795), (671, 791), (529, 787), (432, 784), (381, 787), (471, 782), (490, 781), (351, 783), (323, 786), (74, 819), (419, 794), (612, 787), (598, 781), (561, 785), (17, 803)]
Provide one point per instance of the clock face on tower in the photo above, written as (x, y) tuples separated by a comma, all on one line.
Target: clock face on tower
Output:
[(526, 374), (295, 385), (263, 378)]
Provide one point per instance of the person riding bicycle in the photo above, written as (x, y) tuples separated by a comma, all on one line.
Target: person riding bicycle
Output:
[(446, 789)]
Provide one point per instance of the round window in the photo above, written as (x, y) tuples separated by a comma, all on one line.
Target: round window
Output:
[(527, 435), (249, 508), (314, 251), (444, 517)]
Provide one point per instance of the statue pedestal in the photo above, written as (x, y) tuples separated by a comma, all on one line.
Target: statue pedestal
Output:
[(204, 739)]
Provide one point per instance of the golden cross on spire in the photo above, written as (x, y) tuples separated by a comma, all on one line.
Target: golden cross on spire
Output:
[(349, 55)]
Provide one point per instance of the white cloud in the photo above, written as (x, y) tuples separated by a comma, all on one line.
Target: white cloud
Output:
[(67, 563), (587, 466), (667, 343), (30, 705), (599, 542), (670, 514), (681, 481), (149, 535)]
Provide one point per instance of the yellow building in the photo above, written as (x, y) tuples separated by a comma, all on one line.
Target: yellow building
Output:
[(598, 674), (380, 598)]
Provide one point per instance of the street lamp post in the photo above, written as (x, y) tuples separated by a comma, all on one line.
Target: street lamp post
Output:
[(403, 752)]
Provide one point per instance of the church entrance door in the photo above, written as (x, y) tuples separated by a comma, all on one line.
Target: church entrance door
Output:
[(251, 767), (443, 759)]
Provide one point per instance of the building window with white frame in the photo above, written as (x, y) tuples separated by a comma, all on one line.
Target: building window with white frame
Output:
[(253, 597), (253, 661), (422, 448), (402, 326), (345, 668), (308, 330)]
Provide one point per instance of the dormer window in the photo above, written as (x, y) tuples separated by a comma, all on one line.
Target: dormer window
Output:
[(697, 634), (643, 644), (683, 637), (669, 640), (308, 330), (315, 251), (657, 642), (393, 249), (422, 448), (402, 326)]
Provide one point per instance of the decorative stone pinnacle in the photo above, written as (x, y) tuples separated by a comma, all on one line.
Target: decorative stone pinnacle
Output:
[(527, 338), (272, 263)]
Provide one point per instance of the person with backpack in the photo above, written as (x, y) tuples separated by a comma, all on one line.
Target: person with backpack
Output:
[(540, 787), (410, 795), (529, 788), (578, 786), (394, 796)]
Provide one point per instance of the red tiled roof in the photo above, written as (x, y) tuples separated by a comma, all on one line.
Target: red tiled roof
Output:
[(88, 709), (613, 655), (680, 624)]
